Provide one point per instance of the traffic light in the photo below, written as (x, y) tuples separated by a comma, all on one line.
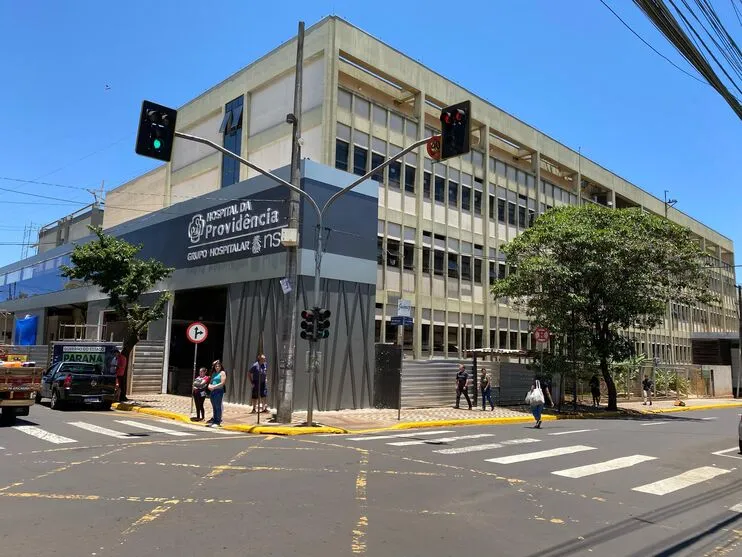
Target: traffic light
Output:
[(156, 132), (323, 323), (455, 130), (307, 324)]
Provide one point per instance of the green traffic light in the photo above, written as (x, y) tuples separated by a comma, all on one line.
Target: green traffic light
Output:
[(157, 143)]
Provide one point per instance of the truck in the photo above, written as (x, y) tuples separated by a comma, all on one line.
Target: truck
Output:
[(77, 382), (19, 383)]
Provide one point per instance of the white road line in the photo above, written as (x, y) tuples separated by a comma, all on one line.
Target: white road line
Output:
[(655, 423), (607, 466), (485, 447), (101, 430), (523, 457), (397, 436), (686, 479), (203, 429), (43, 434), (711, 418), (736, 508), (725, 451), (571, 431), (158, 429), (439, 440)]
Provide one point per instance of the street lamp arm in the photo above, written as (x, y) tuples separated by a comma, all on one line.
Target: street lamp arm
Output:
[(249, 164), (373, 171)]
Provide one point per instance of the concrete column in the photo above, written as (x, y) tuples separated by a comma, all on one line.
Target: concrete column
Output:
[(417, 327), (489, 305), (168, 331), (330, 101)]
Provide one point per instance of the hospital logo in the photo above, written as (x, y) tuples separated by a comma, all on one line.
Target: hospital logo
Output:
[(196, 228)]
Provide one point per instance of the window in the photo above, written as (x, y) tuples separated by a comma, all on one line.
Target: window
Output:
[(438, 262), (409, 256), (379, 250), (501, 271), (360, 160), (440, 187), (477, 271), (344, 99), (395, 122), (376, 160), (465, 198), (493, 276), (477, 159), (426, 260), (531, 217), (379, 115), (361, 107), (478, 202), (453, 265), (232, 129), (411, 129), (453, 194), (395, 174), (426, 185), (500, 209), (466, 267), (409, 178), (342, 148), (521, 216), (392, 253), (492, 206), (511, 213)]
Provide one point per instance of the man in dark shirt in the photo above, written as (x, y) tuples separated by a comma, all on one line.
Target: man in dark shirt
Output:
[(462, 378), (259, 380)]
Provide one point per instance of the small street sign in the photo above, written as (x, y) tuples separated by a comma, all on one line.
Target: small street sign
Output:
[(404, 308), (434, 147), (197, 332), (541, 334), (400, 320)]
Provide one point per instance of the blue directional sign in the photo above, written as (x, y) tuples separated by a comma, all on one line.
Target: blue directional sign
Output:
[(398, 320)]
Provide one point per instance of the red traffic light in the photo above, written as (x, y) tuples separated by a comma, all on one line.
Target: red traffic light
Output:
[(307, 315)]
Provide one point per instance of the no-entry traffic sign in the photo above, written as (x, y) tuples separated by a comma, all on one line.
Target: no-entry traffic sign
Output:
[(197, 332), (541, 334)]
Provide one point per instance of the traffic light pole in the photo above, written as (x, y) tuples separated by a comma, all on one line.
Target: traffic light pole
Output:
[(318, 249)]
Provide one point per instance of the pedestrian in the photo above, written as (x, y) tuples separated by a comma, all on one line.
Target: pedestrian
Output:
[(259, 381), (535, 398), (462, 380), (647, 386), (216, 389), (485, 386), (200, 388), (595, 389), (545, 382), (121, 378)]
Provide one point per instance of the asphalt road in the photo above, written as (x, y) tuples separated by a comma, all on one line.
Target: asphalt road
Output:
[(78, 483)]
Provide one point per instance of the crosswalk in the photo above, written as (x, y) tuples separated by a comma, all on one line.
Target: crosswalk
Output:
[(518, 451), (71, 432)]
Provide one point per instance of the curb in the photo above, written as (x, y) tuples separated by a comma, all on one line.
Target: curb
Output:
[(689, 408), (458, 422)]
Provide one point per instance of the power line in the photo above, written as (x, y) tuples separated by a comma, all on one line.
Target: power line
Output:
[(43, 183), (650, 46), (82, 158)]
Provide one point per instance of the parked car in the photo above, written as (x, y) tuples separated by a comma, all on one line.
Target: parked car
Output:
[(77, 382)]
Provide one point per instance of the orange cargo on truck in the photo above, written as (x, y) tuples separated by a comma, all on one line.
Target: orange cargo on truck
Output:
[(19, 383)]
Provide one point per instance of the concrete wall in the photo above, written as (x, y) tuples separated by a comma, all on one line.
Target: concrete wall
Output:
[(722, 380)]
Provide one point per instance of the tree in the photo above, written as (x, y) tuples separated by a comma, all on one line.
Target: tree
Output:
[(593, 273), (111, 264)]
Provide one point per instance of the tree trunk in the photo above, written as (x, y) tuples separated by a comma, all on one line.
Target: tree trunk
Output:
[(610, 385)]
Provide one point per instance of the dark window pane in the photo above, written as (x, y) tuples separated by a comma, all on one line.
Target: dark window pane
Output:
[(409, 178), (453, 193), (492, 207), (531, 217), (477, 271), (513, 340), (426, 260), (478, 202), (521, 216), (380, 250), (376, 160), (395, 174), (465, 198), (360, 160), (236, 121), (392, 253), (438, 262), (493, 276), (501, 210), (440, 188), (409, 256), (342, 149), (501, 270), (232, 141), (453, 265), (426, 185), (466, 267), (511, 213)]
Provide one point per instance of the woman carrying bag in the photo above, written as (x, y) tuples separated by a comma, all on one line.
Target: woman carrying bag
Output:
[(535, 398)]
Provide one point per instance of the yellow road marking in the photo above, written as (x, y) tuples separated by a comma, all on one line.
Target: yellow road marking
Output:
[(151, 515), (358, 544)]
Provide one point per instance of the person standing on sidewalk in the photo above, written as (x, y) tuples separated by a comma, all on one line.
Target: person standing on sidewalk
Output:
[(259, 382), (485, 386), (595, 389), (121, 377), (216, 388), (647, 386), (462, 380), (200, 388)]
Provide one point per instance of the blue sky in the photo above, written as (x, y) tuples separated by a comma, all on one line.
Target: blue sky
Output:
[(569, 68)]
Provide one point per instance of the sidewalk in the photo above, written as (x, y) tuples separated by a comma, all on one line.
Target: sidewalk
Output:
[(239, 418)]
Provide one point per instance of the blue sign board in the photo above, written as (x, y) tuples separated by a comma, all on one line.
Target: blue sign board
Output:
[(398, 320)]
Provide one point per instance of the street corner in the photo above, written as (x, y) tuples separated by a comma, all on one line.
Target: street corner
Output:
[(157, 412)]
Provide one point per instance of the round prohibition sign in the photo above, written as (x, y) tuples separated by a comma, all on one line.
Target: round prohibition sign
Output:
[(434, 147), (541, 334), (197, 332)]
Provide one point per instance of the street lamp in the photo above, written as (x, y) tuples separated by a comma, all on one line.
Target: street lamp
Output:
[(669, 202)]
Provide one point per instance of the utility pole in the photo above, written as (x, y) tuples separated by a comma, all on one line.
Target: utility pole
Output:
[(287, 357), (739, 316), (671, 357)]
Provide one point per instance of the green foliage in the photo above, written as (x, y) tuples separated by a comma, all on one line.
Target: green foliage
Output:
[(626, 372), (594, 272), (112, 265)]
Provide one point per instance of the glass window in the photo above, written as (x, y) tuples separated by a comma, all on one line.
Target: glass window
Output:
[(360, 160), (411, 129), (465, 198), (376, 160), (453, 194), (511, 213), (392, 253), (232, 140), (426, 260), (466, 267), (477, 271), (478, 202), (361, 107), (438, 257), (409, 178), (521, 216), (379, 250), (379, 115), (501, 271), (440, 188), (500, 168), (501, 210), (395, 122), (492, 207), (477, 159), (453, 265), (409, 256), (343, 132), (395, 174), (511, 173), (342, 149), (531, 217), (493, 276), (344, 99), (426, 185)]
